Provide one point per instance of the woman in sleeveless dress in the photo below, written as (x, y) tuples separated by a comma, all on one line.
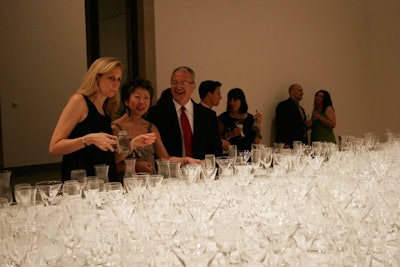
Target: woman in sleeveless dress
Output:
[(136, 98), (323, 118), (238, 126), (83, 134)]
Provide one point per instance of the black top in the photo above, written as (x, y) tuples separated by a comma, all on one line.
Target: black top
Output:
[(249, 131), (290, 125), (89, 156)]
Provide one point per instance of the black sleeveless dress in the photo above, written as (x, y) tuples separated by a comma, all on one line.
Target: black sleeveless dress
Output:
[(89, 156)]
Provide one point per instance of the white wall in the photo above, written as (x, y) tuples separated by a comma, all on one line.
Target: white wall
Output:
[(43, 60), (349, 48), (384, 65), (263, 46)]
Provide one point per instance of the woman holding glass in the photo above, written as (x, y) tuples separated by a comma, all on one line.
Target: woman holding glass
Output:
[(323, 118), (136, 98), (83, 134), (236, 125)]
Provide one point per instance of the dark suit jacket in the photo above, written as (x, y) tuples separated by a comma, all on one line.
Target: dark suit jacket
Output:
[(205, 134), (289, 123)]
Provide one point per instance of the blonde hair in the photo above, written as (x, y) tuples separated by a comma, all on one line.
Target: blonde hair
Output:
[(89, 85)]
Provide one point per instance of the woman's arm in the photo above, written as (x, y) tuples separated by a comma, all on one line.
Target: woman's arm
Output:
[(330, 120), (74, 112)]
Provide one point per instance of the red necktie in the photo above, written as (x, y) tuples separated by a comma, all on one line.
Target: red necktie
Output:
[(187, 133)]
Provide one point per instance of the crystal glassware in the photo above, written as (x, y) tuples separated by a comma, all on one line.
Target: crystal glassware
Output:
[(48, 191)]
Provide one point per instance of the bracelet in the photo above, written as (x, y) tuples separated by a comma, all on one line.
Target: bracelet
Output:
[(83, 139)]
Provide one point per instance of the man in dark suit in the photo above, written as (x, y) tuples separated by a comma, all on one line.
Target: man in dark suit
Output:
[(291, 118), (166, 115)]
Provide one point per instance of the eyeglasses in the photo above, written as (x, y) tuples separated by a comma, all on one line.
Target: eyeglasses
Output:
[(175, 83)]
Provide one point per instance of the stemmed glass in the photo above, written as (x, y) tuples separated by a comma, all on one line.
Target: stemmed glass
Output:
[(209, 174), (256, 157), (224, 163), (243, 156), (114, 191), (93, 189), (25, 194), (226, 235), (140, 184), (191, 246), (266, 157), (154, 183), (129, 167), (79, 175), (18, 242), (209, 160), (240, 126), (72, 189), (232, 152), (48, 191)]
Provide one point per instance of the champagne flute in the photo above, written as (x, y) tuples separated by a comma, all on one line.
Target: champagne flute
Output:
[(266, 157), (232, 152), (209, 160)]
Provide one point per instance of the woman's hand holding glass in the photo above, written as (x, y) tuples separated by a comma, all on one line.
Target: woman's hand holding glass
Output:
[(143, 140)]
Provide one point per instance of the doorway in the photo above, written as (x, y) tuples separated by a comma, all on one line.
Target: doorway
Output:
[(112, 30)]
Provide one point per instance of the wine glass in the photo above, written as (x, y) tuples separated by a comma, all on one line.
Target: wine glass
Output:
[(154, 183), (48, 191), (163, 168), (79, 175), (72, 188), (24, 194), (244, 156), (140, 184), (129, 167), (102, 171), (209, 160), (3, 203), (209, 174), (191, 245), (93, 189), (279, 146), (266, 157), (232, 152), (224, 162), (114, 191), (226, 234), (256, 157), (240, 126)]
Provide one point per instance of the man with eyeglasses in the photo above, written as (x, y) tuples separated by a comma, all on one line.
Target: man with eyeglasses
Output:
[(177, 115)]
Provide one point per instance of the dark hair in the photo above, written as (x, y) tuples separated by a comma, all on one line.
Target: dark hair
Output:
[(165, 96), (237, 93), (208, 86), (129, 87), (327, 101)]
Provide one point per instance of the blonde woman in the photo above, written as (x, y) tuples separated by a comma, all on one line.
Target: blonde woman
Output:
[(83, 134)]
